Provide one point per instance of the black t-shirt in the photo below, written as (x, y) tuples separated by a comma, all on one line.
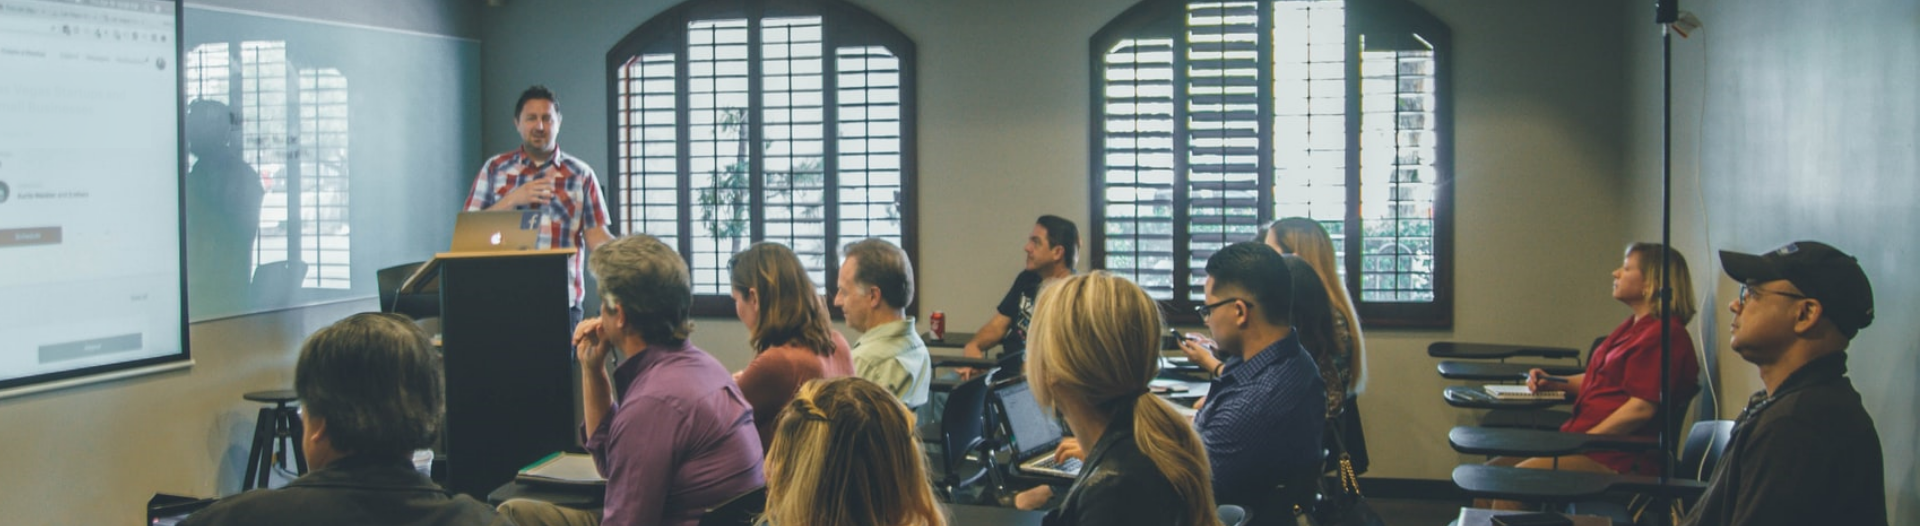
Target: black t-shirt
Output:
[(1807, 455), (1018, 305)]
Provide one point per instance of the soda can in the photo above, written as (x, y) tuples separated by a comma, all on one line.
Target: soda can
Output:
[(939, 323)]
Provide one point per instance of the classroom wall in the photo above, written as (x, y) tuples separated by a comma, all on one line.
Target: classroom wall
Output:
[(1003, 127), (95, 454), (1796, 121)]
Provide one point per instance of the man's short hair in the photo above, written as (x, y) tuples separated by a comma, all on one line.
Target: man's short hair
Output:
[(535, 92), (1255, 270), (376, 381), (1061, 233), (885, 266), (650, 283)]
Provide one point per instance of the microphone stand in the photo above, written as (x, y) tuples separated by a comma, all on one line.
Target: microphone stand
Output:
[(1666, 12)]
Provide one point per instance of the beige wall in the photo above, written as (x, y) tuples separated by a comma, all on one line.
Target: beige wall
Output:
[(1796, 120)]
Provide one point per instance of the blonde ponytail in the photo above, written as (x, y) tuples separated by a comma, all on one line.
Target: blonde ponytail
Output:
[(1095, 340)]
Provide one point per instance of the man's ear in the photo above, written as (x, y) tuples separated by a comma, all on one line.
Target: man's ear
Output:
[(316, 430), (1809, 315), (610, 313)]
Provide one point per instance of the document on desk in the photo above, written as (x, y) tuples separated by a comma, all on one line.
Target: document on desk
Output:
[(1520, 392), (573, 469)]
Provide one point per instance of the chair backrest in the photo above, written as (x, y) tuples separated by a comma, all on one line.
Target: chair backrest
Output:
[(741, 510), (274, 283), (1705, 443), (418, 305), (964, 421), (389, 280)]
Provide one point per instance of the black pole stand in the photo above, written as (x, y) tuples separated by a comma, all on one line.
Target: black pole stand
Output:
[(1666, 12)]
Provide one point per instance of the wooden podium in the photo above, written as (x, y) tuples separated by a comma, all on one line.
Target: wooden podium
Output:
[(508, 357)]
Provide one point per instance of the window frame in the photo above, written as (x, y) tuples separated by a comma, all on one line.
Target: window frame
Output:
[(842, 24), (1363, 17)]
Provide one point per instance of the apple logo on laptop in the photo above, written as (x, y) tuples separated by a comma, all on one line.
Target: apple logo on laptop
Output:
[(495, 240)]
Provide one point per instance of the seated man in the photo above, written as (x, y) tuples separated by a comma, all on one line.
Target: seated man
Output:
[(875, 287), (1264, 415), (1805, 451), (1050, 254), (371, 392), (681, 438)]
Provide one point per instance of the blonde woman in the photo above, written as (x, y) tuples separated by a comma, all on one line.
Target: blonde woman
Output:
[(844, 454), (1093, 348), (789, 328), (1620, 392)]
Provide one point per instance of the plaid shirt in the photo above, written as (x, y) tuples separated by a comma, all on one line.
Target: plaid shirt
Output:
[(576, 206)]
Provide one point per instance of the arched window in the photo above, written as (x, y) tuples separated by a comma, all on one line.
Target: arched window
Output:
[(1211, 119), (740, 121)]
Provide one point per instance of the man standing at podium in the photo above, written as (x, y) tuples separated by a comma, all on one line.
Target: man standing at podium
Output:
[(538, 176)]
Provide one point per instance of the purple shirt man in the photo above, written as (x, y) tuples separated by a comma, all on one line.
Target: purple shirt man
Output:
[(681, 439)]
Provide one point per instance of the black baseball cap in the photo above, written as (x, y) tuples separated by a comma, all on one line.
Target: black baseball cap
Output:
[(1820, 271)]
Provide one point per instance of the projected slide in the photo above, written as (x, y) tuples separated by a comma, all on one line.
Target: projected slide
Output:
[(89, 187)]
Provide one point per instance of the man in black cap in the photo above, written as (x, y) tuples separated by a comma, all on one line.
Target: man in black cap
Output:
[(1804, 451)]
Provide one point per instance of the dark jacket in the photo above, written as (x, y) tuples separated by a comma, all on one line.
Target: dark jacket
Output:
[(1119, 485), (1806, 455), (352, 491)]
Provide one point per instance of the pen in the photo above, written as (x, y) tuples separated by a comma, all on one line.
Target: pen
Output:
[(1558, 379)]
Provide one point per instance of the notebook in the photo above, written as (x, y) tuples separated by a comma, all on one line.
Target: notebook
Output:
[(1520, 392), (573, 469), (503, 230), (1035, 434)]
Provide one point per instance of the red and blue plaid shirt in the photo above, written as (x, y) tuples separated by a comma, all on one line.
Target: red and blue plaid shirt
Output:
[(576, 206)]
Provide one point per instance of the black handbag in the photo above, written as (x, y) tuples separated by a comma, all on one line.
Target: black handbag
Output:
[(1341, 503)]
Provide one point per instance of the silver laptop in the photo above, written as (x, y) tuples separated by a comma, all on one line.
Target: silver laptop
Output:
[(1035, 434), (504, 230)]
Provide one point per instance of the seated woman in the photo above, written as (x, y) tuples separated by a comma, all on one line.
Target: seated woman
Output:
[(1306, 239), (1092, 349), (1620, 392), (845, 455), (789, 328), (1313, 321)]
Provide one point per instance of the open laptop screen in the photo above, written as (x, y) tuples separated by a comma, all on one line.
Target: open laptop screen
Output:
[(1034, 431)]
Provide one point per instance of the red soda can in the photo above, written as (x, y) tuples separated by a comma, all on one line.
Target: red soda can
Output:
[(939, 322)]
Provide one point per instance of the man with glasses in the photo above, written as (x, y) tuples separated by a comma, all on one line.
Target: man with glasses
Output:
[(1804, 451), (1264, 415)]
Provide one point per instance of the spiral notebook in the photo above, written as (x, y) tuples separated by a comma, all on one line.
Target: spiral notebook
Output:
[(1520, 392)]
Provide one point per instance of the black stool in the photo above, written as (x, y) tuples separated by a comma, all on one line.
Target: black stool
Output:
[(277, 424)]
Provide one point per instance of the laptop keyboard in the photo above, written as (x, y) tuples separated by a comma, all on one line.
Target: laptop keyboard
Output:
[(1071, 465)]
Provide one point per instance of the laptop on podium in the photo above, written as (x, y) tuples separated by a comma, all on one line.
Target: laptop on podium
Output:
[(491, 231), (1034, 433)]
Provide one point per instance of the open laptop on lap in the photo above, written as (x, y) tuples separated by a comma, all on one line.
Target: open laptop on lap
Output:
[(1035, 434), (505, 230)]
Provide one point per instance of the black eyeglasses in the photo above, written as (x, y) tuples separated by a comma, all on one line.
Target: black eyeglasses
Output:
[(1749, 292), (1205, 310)]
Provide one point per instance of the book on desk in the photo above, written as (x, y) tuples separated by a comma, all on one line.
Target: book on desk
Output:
[(562, 468)]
